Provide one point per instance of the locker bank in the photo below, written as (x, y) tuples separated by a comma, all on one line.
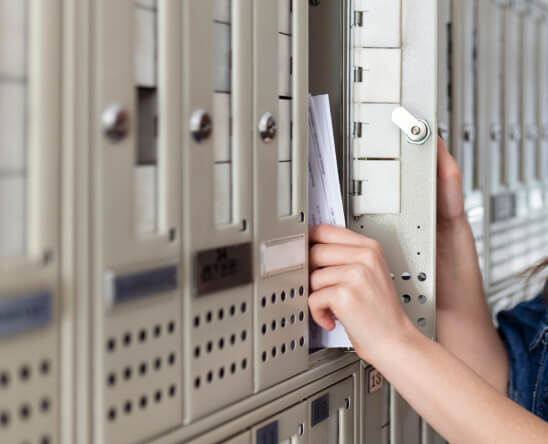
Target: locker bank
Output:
[(154, 206)]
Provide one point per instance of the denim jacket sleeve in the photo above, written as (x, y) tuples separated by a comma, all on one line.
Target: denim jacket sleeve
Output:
[(524, 330)]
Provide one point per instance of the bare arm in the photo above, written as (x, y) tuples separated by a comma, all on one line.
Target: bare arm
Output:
[(464, 322), (350, 280), (459, 404)]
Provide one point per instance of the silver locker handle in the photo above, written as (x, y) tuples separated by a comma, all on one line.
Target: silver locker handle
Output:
[(416, 130)]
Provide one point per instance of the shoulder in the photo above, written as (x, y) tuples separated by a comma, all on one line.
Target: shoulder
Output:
[(525, 324)]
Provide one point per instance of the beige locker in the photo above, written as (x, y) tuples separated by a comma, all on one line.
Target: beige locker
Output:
[(217, 204), (280, 232), (332, 414), (137, 314), (30, 302)]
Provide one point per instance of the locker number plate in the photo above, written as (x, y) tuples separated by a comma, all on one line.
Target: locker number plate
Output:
[(375, 381)]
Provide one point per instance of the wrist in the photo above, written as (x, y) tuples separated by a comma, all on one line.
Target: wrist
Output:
[(391, 348)]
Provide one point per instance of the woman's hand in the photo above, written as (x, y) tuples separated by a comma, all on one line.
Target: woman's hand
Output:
[(350, 281), (450, 194)]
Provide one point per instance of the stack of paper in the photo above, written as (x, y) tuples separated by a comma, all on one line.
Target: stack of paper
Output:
[(325, 200)]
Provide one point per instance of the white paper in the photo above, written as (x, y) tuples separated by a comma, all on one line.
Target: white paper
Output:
[(325, 200)]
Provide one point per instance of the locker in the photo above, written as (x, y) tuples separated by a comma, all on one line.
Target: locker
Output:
[(529, 97), (445, 40), (30, 302), (542, 77), (280, 241), (414, 224), (463, 84), (405, 423), (375, 401), (489, 74), (217, 205), (287, 427), (331, 415), (137, 325), (511, 95)]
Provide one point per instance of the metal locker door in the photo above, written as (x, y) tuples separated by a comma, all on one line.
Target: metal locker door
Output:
[(331, 417), (462, 87), (464, 141), (489, 113), (543, 101), (30, 302), (375, 399), (511, 95), (445, 39), (280, 116), (410, 175), (287, 427), (529, 97), (137, 321), (529, 106), (217, 204)]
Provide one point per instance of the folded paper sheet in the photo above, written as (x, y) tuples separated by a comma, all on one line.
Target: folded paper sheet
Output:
[(325, 200)]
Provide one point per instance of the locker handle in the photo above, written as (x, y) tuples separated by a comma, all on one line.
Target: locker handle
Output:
[(416, 130)]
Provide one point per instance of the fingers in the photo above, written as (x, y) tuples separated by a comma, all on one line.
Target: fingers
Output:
[(320, 304), (330, 234), (327, 255), (352, 275)]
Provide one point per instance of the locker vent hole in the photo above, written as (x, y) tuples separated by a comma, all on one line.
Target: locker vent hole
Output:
[(422, 299), (127, 339), (421, 322), (143, 402)]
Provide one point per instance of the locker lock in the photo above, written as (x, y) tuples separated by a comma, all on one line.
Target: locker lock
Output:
[(201, 126), (515, 133), (115, 121), (267, 127), (496, 133), (469, 133), (416, 130)]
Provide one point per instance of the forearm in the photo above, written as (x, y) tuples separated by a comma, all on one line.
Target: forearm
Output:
[(464, 325), (460, 286), (452, 398)]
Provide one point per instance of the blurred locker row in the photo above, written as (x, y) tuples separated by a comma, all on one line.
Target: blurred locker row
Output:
[(153, 248), (493, 115)]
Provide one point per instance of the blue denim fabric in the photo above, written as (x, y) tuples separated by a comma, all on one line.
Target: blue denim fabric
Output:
[(524, 330)]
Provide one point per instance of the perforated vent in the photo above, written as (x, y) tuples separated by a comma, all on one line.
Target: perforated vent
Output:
[(142, 374), (28, 401), (282, 333), (218, 358)]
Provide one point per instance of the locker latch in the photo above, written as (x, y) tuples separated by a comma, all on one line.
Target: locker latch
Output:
[(416, 130)]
